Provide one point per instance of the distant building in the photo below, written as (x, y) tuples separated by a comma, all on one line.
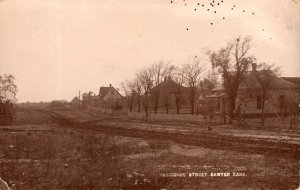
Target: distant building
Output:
[(168, 91), (167, 96), (107, 97), (75, 101), (109, 93)]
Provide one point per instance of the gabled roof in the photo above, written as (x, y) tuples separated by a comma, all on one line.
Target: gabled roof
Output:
[(75, 99), (168, 86), (104, 90), (295, 80), (252, 82)]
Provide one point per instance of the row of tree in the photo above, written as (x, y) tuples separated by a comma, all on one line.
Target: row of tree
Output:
[(231, 63), (145, 89), (234, 57)]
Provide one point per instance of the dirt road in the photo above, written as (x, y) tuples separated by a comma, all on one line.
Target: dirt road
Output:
[(276, 144)]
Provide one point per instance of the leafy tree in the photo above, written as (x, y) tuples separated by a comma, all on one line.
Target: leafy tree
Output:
[(8, 88), (206, 105), (159, 71), (232, 63), (8, 91), (206, 86), (87, 98)]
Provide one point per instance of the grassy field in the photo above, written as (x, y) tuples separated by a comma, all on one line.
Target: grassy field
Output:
[(36, 153)]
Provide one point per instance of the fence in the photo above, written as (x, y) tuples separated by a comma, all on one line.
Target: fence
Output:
[(172, 117), (154, 117), (100, 109)]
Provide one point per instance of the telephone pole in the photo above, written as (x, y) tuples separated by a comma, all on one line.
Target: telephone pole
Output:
[(79, 99)]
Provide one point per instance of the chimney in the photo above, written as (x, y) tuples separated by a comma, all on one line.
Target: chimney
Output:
[(254, 65), (109, 85)]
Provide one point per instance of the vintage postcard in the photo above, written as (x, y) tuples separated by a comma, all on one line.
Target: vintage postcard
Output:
[(149, 95)]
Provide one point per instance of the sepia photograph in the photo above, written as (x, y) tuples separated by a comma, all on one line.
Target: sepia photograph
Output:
[(149, 94)]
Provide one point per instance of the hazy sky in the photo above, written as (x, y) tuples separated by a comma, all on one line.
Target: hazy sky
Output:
[(55, 48)]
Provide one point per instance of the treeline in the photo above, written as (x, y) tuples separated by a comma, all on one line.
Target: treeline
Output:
[(144, 89), (227, 67)]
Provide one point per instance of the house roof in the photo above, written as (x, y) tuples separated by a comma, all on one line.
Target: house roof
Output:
[(75, 99), (168, 85), (216, 95), (252, 82), (104, 90), (295, 80)]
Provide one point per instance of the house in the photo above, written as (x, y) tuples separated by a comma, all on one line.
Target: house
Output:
[(249, 98), (75, 101), (108, 96), (109, 93), (168, 92)]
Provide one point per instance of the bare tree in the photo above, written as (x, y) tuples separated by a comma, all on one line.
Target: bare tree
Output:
[(207, 110), (130, 93), (244, 99), (292, 105), (145, 78), (159, 71), (266, 78), (178, 89), (232, 63), (138, 89), (167, 101), (193, 73)]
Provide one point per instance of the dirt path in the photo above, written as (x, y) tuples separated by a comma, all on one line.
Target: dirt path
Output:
[(282, 145)]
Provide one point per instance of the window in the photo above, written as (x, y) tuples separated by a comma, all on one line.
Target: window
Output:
[(258, 102), (218, 103), (281, 101)]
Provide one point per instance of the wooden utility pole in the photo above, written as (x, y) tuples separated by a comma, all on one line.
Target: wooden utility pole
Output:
[(79, 99)]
